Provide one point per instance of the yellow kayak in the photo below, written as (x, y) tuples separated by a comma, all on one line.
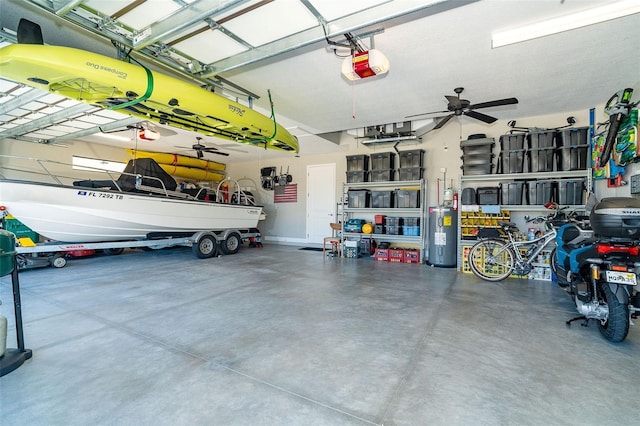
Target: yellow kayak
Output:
[(178, 160), (137, 91), (192, 173)]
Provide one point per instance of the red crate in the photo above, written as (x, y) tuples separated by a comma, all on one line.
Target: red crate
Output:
[(411, 256), (396, 255), (379, 219), (382, 254)]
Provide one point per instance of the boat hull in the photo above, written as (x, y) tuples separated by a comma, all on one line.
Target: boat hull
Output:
[(73, 214)]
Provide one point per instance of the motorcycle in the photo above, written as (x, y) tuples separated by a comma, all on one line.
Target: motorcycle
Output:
[(600, 267)]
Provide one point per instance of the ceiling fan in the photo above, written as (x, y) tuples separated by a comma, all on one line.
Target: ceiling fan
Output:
[(200, 149), (457, 107)]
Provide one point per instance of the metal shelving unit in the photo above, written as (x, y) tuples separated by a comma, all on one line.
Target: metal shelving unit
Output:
[(464, 181), (420, 212)]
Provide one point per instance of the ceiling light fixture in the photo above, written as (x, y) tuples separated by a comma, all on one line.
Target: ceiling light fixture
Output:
[(365, 64), (560, 24), (113, 137)]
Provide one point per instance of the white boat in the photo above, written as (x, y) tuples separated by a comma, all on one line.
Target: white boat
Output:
[(93, 213)]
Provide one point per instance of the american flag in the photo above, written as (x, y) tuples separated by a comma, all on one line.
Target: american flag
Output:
[(286, 193)]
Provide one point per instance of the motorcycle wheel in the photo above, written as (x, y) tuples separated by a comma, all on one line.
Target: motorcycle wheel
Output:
[(616, 326), (554, 261), (491, 260)]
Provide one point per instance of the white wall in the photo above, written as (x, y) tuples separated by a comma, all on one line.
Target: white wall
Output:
[(286, 221)]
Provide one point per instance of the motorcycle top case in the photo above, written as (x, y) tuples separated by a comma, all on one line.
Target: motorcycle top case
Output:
[(616, 217)]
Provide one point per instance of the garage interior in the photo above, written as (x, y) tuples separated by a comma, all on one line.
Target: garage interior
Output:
[(281, 335)]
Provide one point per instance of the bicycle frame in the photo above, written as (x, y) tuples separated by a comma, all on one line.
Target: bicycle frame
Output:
[(529, 257)]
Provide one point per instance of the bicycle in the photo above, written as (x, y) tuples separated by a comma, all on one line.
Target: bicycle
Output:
[(494, 259)]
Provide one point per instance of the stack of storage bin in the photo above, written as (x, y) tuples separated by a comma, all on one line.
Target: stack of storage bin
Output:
[(411, 165), (563, 191), (512, 153), (357, 168), (382, 166), (572, 148), (477, 156), (542, 151), (394, 225)]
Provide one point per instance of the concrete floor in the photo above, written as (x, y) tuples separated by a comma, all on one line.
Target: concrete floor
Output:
[(281, 336)]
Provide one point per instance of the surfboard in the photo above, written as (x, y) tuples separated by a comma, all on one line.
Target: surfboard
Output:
[(178, 160), (137, 91)]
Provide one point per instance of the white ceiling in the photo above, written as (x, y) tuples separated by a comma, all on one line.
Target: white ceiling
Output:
[(431, 51)]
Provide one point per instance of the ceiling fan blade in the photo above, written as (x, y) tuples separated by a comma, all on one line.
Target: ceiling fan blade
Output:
[(506, 101), (444, 121), (480, 116), (426, 113), (217, 152)]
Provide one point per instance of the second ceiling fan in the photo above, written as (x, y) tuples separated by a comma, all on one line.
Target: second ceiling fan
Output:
[(457, 107)]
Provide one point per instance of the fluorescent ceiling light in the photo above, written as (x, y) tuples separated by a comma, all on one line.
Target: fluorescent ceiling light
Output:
[(113, 137), (565, 23)]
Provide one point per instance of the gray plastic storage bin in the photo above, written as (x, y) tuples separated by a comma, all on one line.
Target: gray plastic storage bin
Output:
[(482, 169), (359, 199), (381, 175), (512, 161), (411, 159), (512, 142), (512, 193), (573, 137), (382, 160), (357, 177), (543, 139), (382, 199), (541, 192), (357, 163), (477, 146), (573, 157), (406, 199), (571, 192), (541, 159), (410, 173)]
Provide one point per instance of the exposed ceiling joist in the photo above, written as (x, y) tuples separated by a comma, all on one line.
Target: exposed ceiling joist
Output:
[(119, 124), (48, 120), (21, 100), (181, 20)]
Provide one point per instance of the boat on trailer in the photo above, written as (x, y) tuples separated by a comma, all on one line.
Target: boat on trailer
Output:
[(143, 203)]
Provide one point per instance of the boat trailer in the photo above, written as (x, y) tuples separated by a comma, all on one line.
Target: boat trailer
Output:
[(204, 244)]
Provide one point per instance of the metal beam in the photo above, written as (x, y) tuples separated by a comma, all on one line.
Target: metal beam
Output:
[(67, 6), (97, 129), (356, 21), (47, 121), (182, 19), (21, 100)]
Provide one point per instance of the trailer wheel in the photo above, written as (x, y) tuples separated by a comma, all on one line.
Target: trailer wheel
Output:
[(231, 245), (205, 247), (58, 261), (114, 251)]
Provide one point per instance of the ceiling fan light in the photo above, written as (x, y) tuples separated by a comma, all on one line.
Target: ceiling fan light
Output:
[(365, 64)]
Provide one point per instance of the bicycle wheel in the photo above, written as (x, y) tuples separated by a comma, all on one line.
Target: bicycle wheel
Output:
[(491, 260)]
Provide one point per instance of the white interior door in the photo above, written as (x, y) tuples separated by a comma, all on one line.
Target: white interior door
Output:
[(321, 201)]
